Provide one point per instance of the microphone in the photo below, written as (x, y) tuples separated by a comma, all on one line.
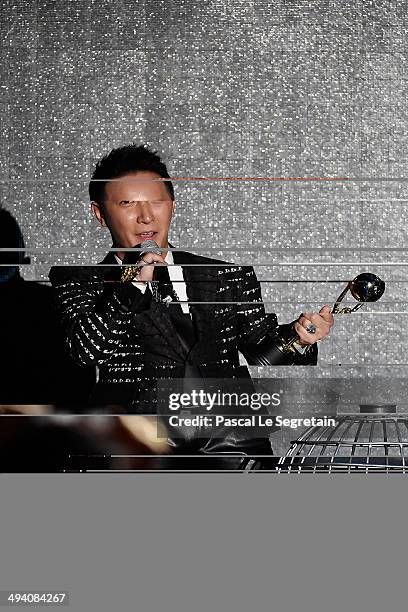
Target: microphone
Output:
[(150, 246), (147, 246), (164, 289)]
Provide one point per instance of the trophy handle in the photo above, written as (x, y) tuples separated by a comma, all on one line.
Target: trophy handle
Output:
[(335, 309)]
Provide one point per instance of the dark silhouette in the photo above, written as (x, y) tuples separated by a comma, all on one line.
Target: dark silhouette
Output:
[(34, 366)]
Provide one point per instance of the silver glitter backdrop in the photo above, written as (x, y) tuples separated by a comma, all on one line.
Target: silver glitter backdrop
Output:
[(226, 88)]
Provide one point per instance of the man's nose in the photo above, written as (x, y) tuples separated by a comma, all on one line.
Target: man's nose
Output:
[(144, 212)]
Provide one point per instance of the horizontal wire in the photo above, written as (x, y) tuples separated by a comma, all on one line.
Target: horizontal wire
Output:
[(163, 470), (182, 178), (267, 302), (248, 249), (330, 366), (274, 281), (346, 467), (232, 265), (278, 302), (267, 179), (231, 455)]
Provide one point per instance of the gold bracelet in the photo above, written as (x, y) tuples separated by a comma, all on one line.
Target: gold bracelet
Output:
[(129, 273)]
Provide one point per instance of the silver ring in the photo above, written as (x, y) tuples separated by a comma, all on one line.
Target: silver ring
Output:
[(311, 328)]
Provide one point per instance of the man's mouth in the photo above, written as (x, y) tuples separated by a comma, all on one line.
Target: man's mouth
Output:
[(147, 235)]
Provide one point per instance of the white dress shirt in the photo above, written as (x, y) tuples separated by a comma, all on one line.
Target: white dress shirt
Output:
[(176, 277)]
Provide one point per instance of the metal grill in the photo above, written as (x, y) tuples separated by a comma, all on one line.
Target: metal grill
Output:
[(358, 443)]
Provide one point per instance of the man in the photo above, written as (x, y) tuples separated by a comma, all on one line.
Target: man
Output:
[(34, 366), (118, 317)]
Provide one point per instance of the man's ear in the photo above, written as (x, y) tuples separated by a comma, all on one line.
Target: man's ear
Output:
[(97, 211), (174, 208)]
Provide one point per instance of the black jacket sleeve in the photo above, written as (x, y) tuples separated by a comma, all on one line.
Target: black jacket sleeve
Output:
[(95, 315)]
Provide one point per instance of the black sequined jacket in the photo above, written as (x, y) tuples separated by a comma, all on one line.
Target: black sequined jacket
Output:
[(131, 338)]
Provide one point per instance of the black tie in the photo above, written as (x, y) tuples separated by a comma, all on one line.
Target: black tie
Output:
[(181, 321), (165, 289)]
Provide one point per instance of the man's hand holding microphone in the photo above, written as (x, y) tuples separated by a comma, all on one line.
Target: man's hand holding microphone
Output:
[(140, 265)]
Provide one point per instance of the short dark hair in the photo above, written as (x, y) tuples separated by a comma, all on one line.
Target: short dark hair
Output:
[(122, 161)]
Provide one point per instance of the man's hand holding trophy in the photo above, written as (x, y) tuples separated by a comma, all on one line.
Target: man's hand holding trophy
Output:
[(285, 347)]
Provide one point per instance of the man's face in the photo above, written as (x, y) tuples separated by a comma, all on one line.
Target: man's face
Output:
[(136, 208)]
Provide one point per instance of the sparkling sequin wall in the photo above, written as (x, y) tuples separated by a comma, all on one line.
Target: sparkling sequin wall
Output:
[(225, 89)]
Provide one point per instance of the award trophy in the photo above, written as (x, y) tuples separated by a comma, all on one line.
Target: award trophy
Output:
[(281, 349)]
